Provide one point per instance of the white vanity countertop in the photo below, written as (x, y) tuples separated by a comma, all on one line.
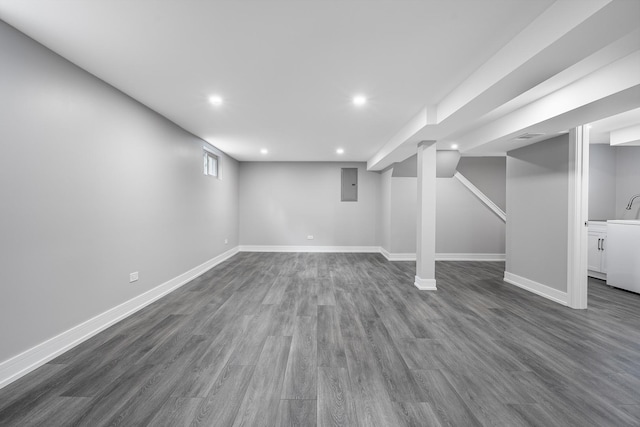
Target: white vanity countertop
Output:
[(624, 221)]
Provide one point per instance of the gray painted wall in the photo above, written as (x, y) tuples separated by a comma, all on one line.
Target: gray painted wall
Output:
[(385, 210), (537, 225), (93, 186), (465, 225), (489, 175), (283, 202), (627, 181), (407, 168), (602, 182), (404, 205)]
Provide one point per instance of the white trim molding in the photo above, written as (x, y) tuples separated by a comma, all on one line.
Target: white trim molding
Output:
[(480, 195), (537, 288), (443, 256), (286, 248), (597, 275), (470, 257), (577, 220), (425, 284), (27, 361), (397, 256)]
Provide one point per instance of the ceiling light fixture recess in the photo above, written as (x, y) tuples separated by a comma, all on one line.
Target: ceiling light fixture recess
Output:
[(215, 100), (340, 151), (264, 151), (454, 146), (359, 100)]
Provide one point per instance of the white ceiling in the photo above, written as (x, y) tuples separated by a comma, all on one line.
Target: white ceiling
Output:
[(287, 69), (467, 72)]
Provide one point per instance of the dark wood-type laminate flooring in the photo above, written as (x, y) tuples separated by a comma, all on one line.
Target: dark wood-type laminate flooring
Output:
[(347, 340)]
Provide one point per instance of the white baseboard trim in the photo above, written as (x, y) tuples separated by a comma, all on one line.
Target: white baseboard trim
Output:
[(397, 256), (470, 257), (597, 275), (27, 361), (537, 288), (286, 248), (425, 284), (443, 256)]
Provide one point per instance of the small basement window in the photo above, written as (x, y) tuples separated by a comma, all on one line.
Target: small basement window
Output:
[(210, 164)]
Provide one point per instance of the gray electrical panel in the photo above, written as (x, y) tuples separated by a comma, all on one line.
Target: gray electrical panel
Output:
[(349, 185)]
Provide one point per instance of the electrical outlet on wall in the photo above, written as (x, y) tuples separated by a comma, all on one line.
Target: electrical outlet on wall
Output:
[(133, 277), (310, 237)]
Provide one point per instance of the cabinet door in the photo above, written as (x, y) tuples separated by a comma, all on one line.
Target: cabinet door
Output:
[(594, 256)]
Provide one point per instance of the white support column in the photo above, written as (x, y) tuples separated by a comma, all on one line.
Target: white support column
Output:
[(426, 216), (578, 217)]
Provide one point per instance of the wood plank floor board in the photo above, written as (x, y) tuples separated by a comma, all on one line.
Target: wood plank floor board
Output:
[(336, 405), (209, 362), (449, 407), (221, 405), (251, 343), (633, 411), (29, 388), (372, 400), (569, 403), (176, 411), (346, 339), (421, 353), (399, 381), (534, 414), (54, 412), (326, 291), (350, 323), (393, 319), (262, 398), (297, 413), (416, 414), (307, 297), (110, 402), (331, 351), (276, 292), (286, 312), (301, 377), (141, 408), (485, 396)]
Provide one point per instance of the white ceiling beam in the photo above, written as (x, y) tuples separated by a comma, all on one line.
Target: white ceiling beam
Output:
[(389, 154), (560, 42), (626, 136), (586, 100), (495, 82)]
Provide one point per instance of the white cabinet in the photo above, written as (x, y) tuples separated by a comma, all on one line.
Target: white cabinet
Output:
[(597, 259), (624, 254)]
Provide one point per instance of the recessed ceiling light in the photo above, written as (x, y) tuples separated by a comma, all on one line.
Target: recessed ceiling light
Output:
[(264, 151), (454, 146), (215, 100), (340, 151), (588, 126), (359, 100)]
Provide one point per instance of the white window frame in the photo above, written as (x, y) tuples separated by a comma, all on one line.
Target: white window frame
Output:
[(211, 163)]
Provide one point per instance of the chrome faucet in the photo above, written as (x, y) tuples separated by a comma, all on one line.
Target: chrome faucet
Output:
[(631, 201)]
